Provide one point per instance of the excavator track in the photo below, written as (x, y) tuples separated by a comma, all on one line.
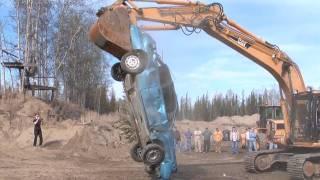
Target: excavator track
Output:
[(295, 167), (249, 162), (250, 159), (302, 166)]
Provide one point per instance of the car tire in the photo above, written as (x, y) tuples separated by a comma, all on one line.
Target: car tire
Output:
[(136, 152), (117, 72), (153, 154), (134, 62)]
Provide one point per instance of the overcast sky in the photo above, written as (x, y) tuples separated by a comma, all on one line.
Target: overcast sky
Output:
[(200, 63)]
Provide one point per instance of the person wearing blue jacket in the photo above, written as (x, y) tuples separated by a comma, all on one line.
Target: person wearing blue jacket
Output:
[(252, 140)]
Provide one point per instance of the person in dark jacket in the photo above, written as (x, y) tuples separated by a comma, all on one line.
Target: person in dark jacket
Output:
[(188, 137), (37, 130), (206, 140)]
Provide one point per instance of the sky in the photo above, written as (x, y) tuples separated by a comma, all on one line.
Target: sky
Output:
[(201, 64)]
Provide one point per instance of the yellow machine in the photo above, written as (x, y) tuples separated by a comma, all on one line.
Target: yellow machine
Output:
[(276, 127), (300, 105), (272, 124)]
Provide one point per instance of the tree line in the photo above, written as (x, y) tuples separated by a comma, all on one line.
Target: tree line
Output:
[(206, 108)]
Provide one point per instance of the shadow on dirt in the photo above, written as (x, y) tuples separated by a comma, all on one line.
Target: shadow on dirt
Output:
[(55, 144), (200, 171)]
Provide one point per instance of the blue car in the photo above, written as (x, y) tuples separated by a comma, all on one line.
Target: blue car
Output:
[(150, 91)]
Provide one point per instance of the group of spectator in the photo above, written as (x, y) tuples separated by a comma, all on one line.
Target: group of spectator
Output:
[(202, 141), (198, 140), (255, 140)]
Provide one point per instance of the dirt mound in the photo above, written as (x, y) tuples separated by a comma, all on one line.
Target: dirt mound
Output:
[(221, 122), (96, 140), (31, 106), (90, 134), (74, 139), (65, 111)]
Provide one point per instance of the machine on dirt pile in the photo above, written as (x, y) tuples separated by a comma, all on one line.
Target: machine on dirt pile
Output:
[(300, 105), (272, 124)]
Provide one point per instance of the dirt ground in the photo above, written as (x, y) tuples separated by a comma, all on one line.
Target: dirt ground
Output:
[(43, 163), (91, 148)]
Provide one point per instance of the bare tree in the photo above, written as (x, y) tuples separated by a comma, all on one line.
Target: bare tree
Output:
[(52, 35), (32, 19), (80, 66)]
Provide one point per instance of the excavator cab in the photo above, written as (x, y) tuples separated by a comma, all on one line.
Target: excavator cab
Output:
[(306, 117), (271, 123), (267, 113)]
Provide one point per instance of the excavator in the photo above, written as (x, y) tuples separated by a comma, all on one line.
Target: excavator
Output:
[(271, 123), (299, 103)]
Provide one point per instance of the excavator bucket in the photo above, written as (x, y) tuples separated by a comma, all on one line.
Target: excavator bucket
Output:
[(111, 32)]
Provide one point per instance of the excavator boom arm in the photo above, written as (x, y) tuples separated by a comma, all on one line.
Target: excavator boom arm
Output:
[(211, 19)]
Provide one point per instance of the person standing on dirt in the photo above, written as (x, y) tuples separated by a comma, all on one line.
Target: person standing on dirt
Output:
[(243, 139), (248, 137), (37, 130), (206, 140), (188, 137), (177, 139), (197, 134), (217, 137), (252, 140), (234, 137)]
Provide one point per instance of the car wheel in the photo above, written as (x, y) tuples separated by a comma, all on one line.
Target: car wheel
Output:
[(153, 154), (136, 152), (134, 62), (117, 72)]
